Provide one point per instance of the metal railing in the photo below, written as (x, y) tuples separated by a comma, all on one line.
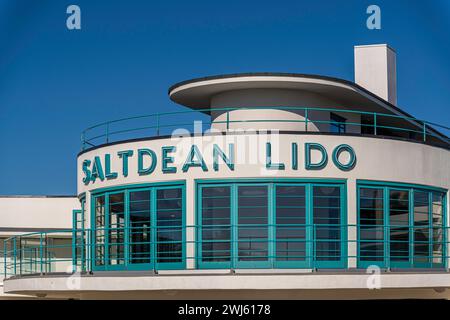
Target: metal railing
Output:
[(157, 124), (296, 246)]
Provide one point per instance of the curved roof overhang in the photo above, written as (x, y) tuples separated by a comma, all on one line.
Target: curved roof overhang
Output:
[(197, 93)]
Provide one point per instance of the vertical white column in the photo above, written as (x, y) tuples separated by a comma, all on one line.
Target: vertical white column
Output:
[(352, 234), (375, 70)]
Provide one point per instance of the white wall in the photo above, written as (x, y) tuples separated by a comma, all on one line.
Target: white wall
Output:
[(375, 70), (24, 214), (269, 97), (377, 159), (37, 212)]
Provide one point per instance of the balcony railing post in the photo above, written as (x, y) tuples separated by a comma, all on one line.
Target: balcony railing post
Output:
[(157, 124), (107, 132), (20, 255), (313, 258), (306, 119), (228, 120), (14, 256), (41, 254), (83, 142), (424, 131), (4, 258), (375, 131)]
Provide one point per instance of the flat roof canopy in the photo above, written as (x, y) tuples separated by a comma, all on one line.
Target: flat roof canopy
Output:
[(197, 93)]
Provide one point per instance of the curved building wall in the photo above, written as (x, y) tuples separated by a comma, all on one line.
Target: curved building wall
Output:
[(290, 120), (382, 162)]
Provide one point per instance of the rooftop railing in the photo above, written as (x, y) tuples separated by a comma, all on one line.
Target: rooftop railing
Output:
[(162, 124), (301, 246)]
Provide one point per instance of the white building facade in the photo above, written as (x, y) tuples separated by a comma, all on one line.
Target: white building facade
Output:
[(291, 186)]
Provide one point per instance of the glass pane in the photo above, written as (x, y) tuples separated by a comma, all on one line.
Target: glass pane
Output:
[(216, 224), (116, 228), (100, 230), (252, 223), (140, 226), (399, 224), (421, 227), (169, 215), (371, 221), (438, 227), (327, 221), (290, 223)]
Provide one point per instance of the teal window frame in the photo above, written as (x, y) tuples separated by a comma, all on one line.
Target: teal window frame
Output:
[(79, 237), (338, 124), (310, 262), (386, 262), (153, 263)]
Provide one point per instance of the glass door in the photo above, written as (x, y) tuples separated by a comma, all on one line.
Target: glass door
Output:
[(329, 234), (140, 230), (399, 231), (215, 231), (169, 233), (293, 242), (421, 228), (252, 245), (99, 251), (116, 229), (372, 242), (78, 239)]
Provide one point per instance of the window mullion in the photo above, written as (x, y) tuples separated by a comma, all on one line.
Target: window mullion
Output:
[(430, 228), (153, 229), (386, 227), (234, 231), (310, 225), (107, 231), (127, 227), (411, 226), (272, 238)]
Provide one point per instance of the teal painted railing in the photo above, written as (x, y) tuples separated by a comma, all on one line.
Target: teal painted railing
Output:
[(157, 124), (312, 246)]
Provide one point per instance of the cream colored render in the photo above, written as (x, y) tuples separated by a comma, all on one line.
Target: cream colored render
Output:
[(26, 214), (377, 159), (23, 212), (218, 284)]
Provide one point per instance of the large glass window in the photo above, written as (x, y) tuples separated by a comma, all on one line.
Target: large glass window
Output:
[(79, 237), (263, 225), (400, 227), (253, 223), (371, 224), (216, 224), (140, 228), (291, 224), (169, 220), (437, 247), (100, 225), (399, 224), (337, 123), (116, 228), (327, 222), (421, 226)]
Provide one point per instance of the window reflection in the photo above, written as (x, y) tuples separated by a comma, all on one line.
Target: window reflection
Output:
[(252, 223), (412, 223)]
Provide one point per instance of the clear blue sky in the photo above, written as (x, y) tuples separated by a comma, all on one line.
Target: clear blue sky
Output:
[(55, 82)]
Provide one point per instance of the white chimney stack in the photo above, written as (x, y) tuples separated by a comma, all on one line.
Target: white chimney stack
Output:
[(375, 70)]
